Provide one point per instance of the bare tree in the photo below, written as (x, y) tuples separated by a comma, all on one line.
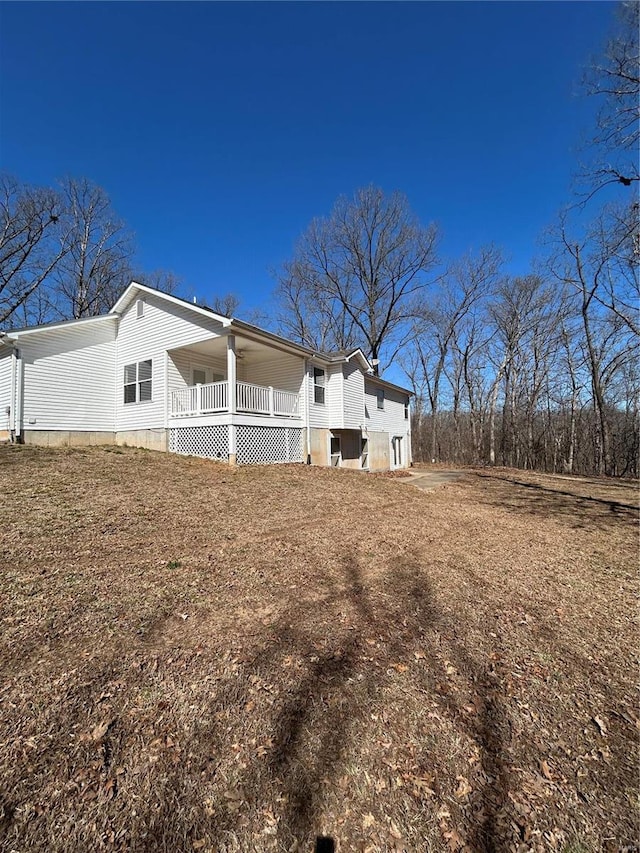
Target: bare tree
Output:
[(97, 266), (465, 283), (164, 280), (357, 276), (33, 242), (589, 266), (225, 305), (615, 81)]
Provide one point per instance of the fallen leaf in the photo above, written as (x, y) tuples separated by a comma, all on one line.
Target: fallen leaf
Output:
[(198, 843), (368, 820), (601, 725), (454, 840), (101, 729), (464, 788), (546, 770), (394, 832)]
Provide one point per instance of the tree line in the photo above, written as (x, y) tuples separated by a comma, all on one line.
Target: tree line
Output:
[(535, 371)]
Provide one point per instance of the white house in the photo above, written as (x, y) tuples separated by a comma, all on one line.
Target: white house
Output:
[(162, 373)]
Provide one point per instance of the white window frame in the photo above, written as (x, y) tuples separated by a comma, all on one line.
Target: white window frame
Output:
[(380, 399), (137, 383), (140, 308), (406, 411), (319, 385)]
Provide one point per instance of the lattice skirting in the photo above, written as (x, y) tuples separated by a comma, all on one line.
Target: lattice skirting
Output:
[(258, 445), (212, 442), (255, 445)]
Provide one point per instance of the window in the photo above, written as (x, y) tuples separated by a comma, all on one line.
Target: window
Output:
[(380, 398), (318, 385), (406, 411), (137, 382), (140, 308)]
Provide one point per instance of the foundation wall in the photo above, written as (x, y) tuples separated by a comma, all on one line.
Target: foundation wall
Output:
[(67, 438), (149, 439)]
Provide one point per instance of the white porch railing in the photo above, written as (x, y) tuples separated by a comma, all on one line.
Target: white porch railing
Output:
[(200, 399), (254, 399)]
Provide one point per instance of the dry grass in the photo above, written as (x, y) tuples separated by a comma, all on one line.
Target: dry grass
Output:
[(198, 658)]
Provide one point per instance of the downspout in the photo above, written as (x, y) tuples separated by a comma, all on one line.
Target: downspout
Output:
[(12, 398), (17, 373), (307, 408)]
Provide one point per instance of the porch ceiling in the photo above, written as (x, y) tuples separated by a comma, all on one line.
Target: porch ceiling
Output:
[(247, 350)]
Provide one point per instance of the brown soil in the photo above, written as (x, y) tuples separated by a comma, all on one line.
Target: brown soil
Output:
[(199, 658)]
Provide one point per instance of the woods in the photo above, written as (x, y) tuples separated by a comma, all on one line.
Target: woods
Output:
[(537, 370)]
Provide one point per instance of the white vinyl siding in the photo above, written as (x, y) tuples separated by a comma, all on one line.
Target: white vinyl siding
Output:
[(335, 396), (391, 419), (163, 326), (5, 389), (353, 396), (318, 414), (69, 378), (280, 370)]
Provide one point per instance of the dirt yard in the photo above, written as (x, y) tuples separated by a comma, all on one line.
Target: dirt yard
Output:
[(194, 658)]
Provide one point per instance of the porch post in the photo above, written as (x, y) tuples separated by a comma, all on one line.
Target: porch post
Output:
[(231, 394), (231, 372)]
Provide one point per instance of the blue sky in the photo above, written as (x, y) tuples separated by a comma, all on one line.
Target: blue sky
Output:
[(221, 129)]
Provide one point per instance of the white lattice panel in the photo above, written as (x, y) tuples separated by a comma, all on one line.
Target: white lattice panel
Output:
[(258, 445), (211, 442)]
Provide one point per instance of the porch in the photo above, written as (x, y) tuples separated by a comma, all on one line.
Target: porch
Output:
[(249, 398)]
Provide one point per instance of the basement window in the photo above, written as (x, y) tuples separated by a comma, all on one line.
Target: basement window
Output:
[(137, 382)]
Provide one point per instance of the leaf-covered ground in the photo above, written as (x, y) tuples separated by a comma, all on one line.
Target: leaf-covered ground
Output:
[(200, 658)]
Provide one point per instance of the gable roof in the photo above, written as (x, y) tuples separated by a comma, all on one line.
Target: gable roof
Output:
[(135, 287)]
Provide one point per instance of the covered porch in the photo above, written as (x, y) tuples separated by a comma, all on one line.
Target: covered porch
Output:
[(232, 374)]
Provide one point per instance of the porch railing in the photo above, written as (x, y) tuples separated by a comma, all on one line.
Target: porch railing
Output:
[(253, 399), (200, 399)]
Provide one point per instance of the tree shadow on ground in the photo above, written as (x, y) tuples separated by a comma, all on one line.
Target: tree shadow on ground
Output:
[(569, 506), (326, 710), (345, 651)]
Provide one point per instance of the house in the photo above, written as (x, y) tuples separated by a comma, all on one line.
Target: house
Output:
[(162, 373)]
